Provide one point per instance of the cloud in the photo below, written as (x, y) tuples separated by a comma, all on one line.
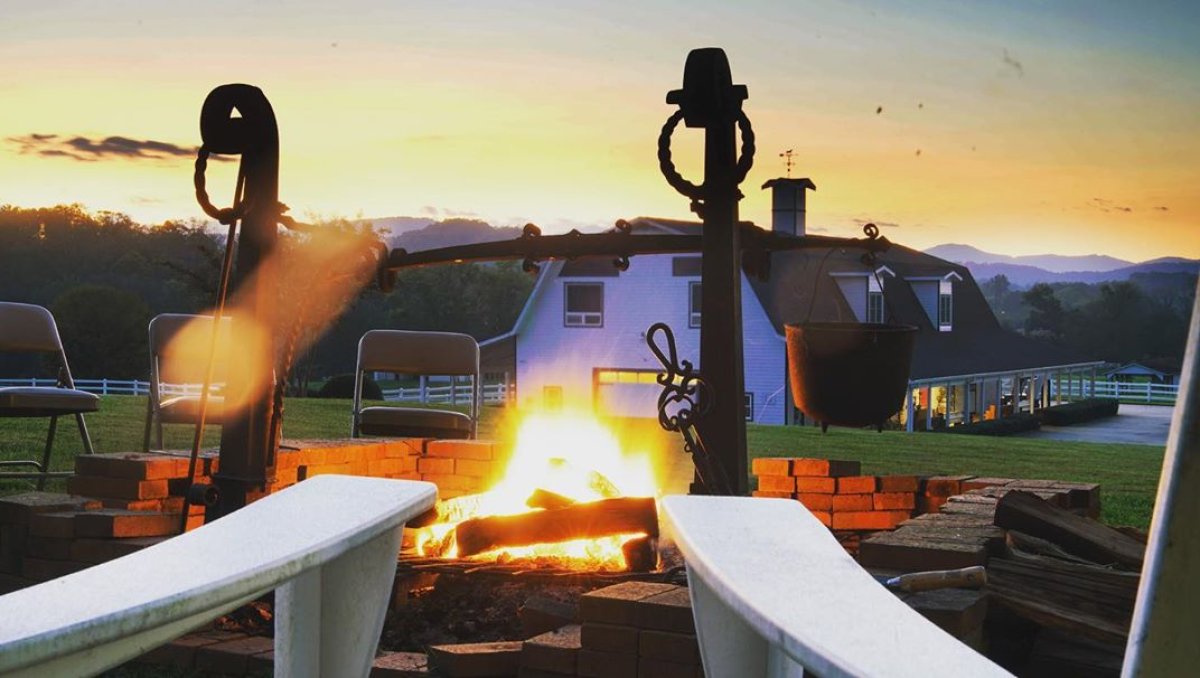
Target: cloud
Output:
[(1109, 206), (881, 224), (84, 149), (1162, 208), (1012, 63)]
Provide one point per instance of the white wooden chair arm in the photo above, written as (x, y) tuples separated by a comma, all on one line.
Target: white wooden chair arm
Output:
[(773, 594), (328, 545)]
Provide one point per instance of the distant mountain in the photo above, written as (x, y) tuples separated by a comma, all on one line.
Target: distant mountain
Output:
[(1023, 275), (452, 232), (1054, 263), (393, 226)]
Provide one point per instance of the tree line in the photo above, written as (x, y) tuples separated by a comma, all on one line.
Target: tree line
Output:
[(104, 276), (1143, 318)]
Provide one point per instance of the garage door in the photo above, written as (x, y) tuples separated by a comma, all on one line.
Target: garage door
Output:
[(626, 393)]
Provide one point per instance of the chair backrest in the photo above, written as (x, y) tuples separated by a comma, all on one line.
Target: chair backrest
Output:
[(187, 360), (28, 328), (405, 352)]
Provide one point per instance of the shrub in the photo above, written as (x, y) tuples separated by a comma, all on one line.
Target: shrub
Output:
[(1079, 411), (1016, 423), (342, 386)]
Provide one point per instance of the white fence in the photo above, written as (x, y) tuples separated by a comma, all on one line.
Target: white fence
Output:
[(327, 547), (1152, 394), (450, 394)]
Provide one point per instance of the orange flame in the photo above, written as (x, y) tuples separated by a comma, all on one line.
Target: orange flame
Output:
[(568, 453)]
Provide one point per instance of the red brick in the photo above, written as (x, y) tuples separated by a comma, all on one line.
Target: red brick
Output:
[(454, 482), (118, 523), (86, 550), (851, 502), (767, 466), (51, 548), (596, 664), (869, 520), (656, 668), (480, 450), (771, 495), (120, 488), (476, 659), (776, 484), (945, 486), (435, 466), (44, 569), (981, 483), (17, 509), (891, 501), (556, 651), (232, 656), (927, 504), (856, 485), (618, 604), (401, 665), (816, 485), (898, 483), (825, 517), (131, 465), (398, 448), (311, 471), (669, 611), (816, 502), (181, 652), (832, 468), (474, 467), (60, 525), (680, 648), (287, 460), (609, 638)]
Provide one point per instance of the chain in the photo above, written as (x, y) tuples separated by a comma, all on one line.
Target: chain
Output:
[(699, 193), (225, 215)]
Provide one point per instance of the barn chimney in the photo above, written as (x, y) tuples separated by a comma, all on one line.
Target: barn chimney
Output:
[(787, 204)]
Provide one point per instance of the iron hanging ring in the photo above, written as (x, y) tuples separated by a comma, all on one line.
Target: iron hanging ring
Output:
[(223, 215), (675, 179)]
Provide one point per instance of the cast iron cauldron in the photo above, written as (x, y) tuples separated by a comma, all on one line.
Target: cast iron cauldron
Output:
[(849, 374)]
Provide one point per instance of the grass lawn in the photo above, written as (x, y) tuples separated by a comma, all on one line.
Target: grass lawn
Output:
[(1127, 473)]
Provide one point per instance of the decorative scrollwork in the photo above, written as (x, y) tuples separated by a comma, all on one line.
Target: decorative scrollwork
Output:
[(698, 193), (685, 394)]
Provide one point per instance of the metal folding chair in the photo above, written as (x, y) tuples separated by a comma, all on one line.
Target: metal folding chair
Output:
[(418, 353), (185, 366), (26, 328)]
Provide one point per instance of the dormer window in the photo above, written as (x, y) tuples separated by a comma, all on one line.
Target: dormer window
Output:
[(874, 300), (945, 315)]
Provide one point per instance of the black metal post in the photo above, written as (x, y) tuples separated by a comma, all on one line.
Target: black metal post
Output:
[(249, 436), (709, 100)]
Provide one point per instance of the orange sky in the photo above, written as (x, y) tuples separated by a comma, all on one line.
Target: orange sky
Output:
[(1068, 129)]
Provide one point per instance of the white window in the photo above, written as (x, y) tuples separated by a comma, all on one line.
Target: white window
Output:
[(874, 300), (945, 305), (583, 304), (694, 304)]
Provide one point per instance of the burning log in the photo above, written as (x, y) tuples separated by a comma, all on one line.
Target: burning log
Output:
[(623, 515), (641, 555), (545, 499)]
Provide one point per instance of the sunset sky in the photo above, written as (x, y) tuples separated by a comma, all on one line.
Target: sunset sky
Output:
[(1018, 127)]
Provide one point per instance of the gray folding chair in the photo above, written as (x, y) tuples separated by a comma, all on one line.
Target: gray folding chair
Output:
[(418, 353), (25, 328), (184, 367)]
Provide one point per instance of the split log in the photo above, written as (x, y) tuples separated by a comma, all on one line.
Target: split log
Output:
[(1078, 535), (623, 515), (545, 499), (641, 554)]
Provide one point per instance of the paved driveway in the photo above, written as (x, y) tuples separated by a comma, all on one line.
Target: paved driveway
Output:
[(1134, 424)]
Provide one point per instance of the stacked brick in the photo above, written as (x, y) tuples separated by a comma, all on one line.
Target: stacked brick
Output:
[(837, 493), (120, 503), (1081, 498), (640, 629)]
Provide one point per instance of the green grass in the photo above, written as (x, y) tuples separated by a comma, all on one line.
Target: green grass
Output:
[(1128, 474)]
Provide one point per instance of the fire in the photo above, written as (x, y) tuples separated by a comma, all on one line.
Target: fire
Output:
[(570, 454)]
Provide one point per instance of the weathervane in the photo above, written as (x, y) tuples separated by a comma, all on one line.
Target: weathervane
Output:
[(788, 162)]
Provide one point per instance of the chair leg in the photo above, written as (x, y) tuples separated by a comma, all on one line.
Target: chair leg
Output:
[(159, 427), (83, 433), (46, 455), (149, 423)]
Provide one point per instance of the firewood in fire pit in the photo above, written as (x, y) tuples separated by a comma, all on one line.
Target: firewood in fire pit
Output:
[(622, 515), (641, 554), (545, 499)]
